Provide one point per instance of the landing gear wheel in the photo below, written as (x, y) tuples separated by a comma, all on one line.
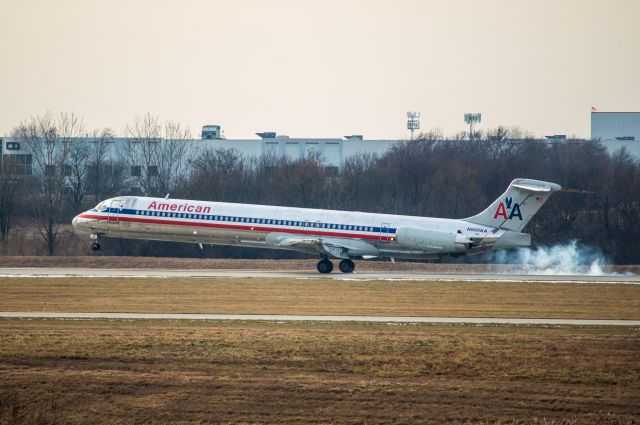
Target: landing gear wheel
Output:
[(95, 246), (325, 266), (347, 266)]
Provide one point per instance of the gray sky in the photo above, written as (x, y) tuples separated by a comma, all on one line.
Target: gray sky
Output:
[(320, 68)]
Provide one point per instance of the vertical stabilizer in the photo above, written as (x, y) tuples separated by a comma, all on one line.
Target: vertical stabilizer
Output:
[(515, 207)]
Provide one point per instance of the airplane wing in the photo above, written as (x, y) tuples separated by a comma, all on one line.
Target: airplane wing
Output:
[(334, 247)]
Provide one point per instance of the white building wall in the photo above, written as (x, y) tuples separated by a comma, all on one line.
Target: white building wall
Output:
[(612, 125), (334, 151)]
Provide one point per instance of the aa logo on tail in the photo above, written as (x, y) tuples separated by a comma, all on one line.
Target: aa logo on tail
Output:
[(508, 206)]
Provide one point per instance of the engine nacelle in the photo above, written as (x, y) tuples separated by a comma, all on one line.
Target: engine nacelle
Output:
[(420, 239)]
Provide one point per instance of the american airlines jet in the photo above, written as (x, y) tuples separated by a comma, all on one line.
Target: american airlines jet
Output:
[(343, 235)]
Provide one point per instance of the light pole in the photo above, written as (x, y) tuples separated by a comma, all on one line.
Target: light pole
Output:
[(471, 119), (413, 122)]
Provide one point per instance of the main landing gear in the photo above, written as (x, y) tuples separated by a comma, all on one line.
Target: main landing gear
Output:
[(95, 246), (325, 266), (345, 266)]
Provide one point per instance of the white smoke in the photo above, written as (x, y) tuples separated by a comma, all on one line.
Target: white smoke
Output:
[(567, 259)]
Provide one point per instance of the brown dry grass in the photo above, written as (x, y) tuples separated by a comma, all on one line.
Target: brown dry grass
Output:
[(322, 296), (99, 261), (215, 372)]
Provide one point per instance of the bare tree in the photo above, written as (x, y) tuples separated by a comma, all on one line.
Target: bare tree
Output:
[(49, 139), (10, 190), (77, 166), (221, 175), (173, 155), (105, 174), (433, 134), (158, 155)]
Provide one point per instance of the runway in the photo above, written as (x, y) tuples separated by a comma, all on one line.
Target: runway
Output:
[(305, 318), (366, 275)]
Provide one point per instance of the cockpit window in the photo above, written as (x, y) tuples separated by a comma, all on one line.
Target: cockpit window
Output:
[(101, 206)]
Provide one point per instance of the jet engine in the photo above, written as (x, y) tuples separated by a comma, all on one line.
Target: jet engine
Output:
[(428, 240)]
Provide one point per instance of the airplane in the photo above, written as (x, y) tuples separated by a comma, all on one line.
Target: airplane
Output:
[(329, 234)]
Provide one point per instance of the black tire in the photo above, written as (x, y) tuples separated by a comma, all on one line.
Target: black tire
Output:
[(325, 266), (347, 266), (95, 246)]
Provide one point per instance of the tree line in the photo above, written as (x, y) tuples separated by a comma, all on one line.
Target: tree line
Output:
[(430, 176)]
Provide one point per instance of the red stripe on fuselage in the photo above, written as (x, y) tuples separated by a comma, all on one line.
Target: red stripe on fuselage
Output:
[(235, 227)]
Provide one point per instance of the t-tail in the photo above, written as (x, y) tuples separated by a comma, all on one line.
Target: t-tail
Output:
[(515, 207)]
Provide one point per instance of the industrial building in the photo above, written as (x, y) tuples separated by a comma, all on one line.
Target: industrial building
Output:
[(331, 152), (614, 129)]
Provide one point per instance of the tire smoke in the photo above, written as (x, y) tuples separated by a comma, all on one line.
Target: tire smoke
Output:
[(564, 259)]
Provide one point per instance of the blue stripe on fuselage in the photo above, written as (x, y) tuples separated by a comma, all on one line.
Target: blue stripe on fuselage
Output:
[(284, 224)]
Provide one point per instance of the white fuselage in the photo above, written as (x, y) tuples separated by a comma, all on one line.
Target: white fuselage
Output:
[(260, 225)]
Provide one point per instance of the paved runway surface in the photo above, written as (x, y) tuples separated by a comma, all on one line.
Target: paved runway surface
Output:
[(292, 318), (375, 275)]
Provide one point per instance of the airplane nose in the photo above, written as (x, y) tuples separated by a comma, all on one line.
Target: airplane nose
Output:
[(74, 222)]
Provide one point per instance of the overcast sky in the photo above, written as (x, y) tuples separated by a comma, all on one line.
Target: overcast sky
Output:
[(320, 68)]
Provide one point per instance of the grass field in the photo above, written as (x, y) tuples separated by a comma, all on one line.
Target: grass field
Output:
[(56, 371), (321, 296)]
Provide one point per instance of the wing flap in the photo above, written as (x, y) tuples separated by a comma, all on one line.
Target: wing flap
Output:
[(334, 247)]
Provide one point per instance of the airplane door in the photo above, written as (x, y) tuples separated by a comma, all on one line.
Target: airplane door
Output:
[(114, 210), (384, 232)]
